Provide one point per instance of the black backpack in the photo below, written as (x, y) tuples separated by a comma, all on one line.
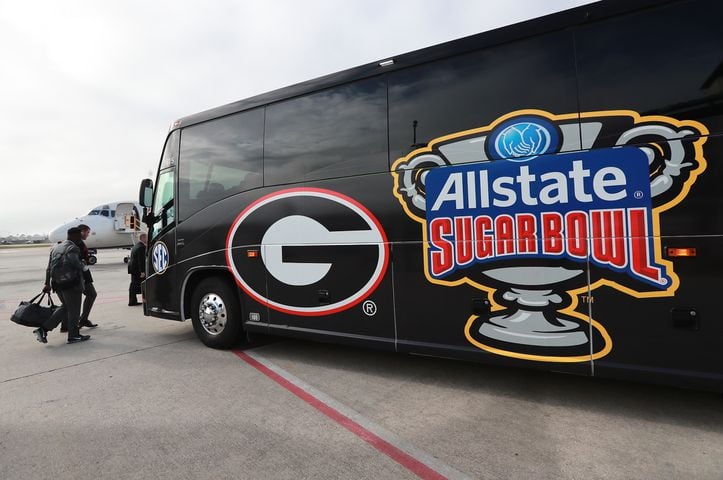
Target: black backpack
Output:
[(63, 274)]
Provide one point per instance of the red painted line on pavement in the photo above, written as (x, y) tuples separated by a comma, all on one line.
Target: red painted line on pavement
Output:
[(407, 461)]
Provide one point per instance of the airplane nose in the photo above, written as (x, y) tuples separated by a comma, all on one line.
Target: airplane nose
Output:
[(58, 235)]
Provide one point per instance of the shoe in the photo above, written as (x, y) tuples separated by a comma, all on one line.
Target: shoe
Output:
[(41, 335), (87, 323), (133, 304), (79, 338)]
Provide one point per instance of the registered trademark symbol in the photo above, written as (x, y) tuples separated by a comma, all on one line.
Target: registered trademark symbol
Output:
[(369, 308), (638, 194)]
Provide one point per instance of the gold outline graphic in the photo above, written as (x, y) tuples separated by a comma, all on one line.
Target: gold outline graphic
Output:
[(546, 358)]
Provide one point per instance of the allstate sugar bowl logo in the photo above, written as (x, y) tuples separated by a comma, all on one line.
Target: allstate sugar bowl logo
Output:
[(159, 257), (537, 209)]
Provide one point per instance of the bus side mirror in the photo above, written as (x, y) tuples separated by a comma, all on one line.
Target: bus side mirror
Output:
[(145, 195)]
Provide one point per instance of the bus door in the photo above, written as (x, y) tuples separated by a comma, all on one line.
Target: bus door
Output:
[(328, 262), (161, 282)]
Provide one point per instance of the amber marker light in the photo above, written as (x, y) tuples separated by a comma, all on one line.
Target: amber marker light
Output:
[(681, 252), (252, 253)]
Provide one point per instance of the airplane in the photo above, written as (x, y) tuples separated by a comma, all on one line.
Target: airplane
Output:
[(112, 225)]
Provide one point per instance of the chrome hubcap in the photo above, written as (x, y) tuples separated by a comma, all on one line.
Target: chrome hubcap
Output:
[(212, 313)]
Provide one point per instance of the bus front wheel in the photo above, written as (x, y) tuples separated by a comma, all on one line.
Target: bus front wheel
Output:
[(216, 313)]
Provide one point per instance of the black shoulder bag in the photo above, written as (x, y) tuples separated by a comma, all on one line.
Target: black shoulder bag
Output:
[(33, 314)]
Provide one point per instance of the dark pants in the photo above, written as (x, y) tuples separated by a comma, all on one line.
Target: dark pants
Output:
[(134, 289), (90, 295), (68, 313)]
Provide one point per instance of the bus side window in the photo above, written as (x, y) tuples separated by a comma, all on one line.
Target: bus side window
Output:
[(216, 159), (467, 91), (341, 131)]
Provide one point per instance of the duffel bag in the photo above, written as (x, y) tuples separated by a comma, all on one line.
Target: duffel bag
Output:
[(32, 313)]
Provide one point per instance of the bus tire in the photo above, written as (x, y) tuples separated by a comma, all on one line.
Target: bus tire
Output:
[(216, 314)]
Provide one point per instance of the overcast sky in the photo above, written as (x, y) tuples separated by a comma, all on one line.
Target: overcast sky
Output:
[(88, 89)]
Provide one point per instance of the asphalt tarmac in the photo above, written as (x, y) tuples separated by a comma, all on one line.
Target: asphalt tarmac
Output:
[(145, 399)]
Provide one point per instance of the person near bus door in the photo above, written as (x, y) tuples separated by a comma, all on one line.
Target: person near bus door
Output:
[(89, 291), (137, 269)]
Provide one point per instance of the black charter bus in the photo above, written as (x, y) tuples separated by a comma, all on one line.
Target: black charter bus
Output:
[(547, 194)]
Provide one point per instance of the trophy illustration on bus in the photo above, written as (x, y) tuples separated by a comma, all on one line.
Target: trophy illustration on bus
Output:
[(538, 209)]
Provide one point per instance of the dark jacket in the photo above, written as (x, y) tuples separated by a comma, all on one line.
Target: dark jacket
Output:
[(72, 257), (137, 261)]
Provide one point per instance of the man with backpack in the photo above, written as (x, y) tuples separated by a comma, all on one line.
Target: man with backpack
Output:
[(64, 275)]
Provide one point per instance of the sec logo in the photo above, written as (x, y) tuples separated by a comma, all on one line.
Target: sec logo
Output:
[(159, 257), (309, 239)]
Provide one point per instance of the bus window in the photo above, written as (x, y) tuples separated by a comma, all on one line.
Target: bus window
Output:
[(340, 131), (163, 194), (219, 158), (467, 91), (163, 210), (170, 152), (622, 64)]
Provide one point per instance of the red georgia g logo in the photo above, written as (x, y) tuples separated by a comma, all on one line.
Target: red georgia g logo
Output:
[(309, 239)]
